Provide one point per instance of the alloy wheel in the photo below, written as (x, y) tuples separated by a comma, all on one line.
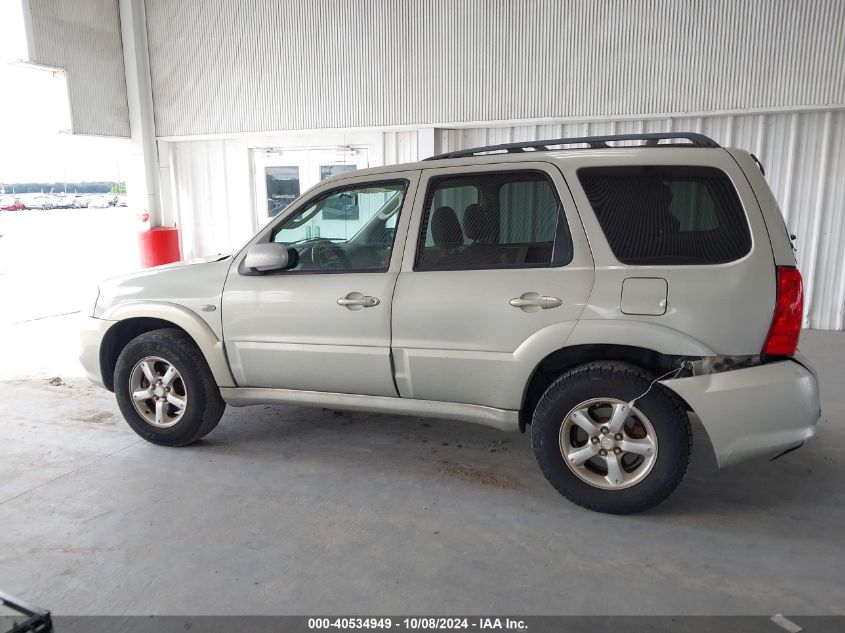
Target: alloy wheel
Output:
[(158, 391), (608, 444)]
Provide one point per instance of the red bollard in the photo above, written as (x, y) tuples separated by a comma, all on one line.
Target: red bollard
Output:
[(159, 245)]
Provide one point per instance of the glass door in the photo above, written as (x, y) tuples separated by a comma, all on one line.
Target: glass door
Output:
[(282, 175), (282, 182)]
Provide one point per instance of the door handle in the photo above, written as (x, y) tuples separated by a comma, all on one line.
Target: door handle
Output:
[(533, 302), (357, 301)]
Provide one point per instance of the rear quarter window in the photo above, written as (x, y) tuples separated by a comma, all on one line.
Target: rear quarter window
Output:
[(668, 214)]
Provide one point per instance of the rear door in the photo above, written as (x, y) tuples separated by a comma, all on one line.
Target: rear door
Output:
[(496, 272)]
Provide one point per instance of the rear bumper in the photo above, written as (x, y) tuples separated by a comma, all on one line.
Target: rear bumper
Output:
[(91, 333), (756, 411)]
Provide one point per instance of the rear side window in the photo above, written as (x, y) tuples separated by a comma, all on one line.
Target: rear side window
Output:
[(493, 220), (668, 214)]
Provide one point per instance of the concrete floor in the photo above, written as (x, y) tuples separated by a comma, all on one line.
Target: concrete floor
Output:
[(291, 510)]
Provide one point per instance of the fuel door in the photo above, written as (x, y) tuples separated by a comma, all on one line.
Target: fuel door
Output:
[(644, 296)]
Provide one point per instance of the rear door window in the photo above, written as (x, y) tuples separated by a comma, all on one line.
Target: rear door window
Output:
[(655, 215), (493, 220)]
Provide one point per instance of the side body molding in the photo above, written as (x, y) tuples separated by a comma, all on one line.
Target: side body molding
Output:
[(210, 346), (488, 416)]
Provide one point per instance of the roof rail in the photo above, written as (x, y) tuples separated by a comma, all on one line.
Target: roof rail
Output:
[(595, 142)]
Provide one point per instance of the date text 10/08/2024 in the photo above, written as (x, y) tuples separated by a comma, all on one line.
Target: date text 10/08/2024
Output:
[(419, 623)]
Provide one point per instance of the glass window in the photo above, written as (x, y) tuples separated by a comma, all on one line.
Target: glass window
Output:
[(282, 188), (493, 220), (344, 208), (334, 170), (363, 243), (668, 214)]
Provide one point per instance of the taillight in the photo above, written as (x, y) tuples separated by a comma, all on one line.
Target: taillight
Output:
[(789, 311)]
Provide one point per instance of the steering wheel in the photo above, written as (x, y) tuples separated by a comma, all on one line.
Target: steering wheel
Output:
[(328, 255)]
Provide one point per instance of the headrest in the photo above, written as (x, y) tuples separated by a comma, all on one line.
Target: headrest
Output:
[(445, 228), (633, 203), (651, 200), (478, 224)]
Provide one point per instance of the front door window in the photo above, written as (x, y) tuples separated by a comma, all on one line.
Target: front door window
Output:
[(348, 229)]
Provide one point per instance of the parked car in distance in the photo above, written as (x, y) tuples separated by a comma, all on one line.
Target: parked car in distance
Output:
[(97, 201), (37, 201), (102, 200), (11, 204), (63, 201), (80, 201), (592, 295)]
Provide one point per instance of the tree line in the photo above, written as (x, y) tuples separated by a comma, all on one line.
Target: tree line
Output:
[(61, 187)]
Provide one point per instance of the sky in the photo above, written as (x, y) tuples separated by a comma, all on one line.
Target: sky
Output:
[(35, 143)]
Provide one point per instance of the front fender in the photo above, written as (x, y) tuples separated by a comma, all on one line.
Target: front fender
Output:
[(210, 346)]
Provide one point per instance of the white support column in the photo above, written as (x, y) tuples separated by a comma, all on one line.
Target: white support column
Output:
[(142, 181), (167, 204)]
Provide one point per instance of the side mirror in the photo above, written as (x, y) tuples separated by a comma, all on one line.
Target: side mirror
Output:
[(271, 256)]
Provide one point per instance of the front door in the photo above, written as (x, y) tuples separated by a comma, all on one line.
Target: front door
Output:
[(496, 273), (323, 325)]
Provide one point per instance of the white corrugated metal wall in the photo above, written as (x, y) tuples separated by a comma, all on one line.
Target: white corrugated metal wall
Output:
[(212, 197), (83, 37), (223, 66), (401, 147)]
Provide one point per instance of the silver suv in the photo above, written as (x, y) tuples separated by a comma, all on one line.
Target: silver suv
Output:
[(593, 291)]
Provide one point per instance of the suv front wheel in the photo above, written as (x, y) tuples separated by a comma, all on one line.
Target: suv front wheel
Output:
[(609, 440), (166, 390)]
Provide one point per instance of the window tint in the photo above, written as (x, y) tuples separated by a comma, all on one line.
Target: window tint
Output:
[(349, 229), (668, 215), (492, 220)]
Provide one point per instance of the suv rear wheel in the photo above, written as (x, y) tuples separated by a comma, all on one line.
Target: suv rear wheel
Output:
[(604, 445), (165, 388)]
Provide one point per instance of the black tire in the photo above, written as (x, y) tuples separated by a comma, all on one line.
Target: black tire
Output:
[(605, 379), (204, 406)]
